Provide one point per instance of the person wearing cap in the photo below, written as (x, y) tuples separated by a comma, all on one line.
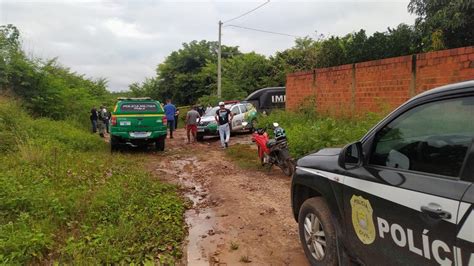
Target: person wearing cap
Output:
[(223, 118)]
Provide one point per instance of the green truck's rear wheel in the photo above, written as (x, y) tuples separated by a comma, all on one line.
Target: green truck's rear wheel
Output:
[(113, 144), (160, 143)]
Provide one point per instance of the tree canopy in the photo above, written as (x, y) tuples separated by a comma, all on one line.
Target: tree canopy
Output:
[(189, 74), (47, 88), (444, 23)]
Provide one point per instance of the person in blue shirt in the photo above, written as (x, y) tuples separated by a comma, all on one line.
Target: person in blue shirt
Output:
[(170, 111)]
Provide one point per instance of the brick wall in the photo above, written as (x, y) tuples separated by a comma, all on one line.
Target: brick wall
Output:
[(379, 84)]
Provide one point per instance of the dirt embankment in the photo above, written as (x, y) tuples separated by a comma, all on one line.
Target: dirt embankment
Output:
[(239, 216)]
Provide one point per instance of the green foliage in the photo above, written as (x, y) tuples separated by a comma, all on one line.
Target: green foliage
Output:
[(180, 76), (444, 23), (247, 72), (308, 132), (303, 55), (64, 198), (206, 100), (245, 156), (189, 75), (47, 88)]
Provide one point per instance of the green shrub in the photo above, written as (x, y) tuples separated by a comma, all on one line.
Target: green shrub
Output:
[(308, 131), (65, 198), (244, 156)]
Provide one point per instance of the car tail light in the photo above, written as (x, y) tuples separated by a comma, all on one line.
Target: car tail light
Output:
[(114, 120), (164, 120)]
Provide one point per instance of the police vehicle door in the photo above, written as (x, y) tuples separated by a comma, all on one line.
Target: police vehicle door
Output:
[(237, 119), (465, 232), (402, 206)]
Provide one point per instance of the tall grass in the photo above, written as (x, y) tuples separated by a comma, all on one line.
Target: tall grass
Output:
[(307, 131), (64, 198)]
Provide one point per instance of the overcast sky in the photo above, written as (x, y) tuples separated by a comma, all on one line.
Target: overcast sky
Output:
[(124, 41)]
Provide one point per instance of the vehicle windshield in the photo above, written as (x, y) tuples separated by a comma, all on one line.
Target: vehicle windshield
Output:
[(212, 111)]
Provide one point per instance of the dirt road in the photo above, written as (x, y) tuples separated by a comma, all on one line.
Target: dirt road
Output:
[(238, 216)]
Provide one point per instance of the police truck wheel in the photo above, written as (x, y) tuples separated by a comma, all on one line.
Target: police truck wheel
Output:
[(160, 143), (317, 233), (113, 144)]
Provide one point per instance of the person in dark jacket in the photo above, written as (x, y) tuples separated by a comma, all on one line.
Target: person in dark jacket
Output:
[(176, 116), (94, 116), (107, 116)]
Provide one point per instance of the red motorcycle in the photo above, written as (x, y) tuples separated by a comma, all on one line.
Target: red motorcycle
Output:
[(274, 151)]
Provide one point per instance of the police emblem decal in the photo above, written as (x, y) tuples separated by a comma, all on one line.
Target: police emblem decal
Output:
[(362, 219)]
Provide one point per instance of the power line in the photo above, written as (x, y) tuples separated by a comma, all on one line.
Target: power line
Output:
[(248, 12), (265, 31), (219, 74)]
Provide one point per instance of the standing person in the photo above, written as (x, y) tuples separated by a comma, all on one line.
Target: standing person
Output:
[(94, 118), (223, 118), (101, 121), (106, 120), (200, 110), (192, 120), (176, 116), (170, 111)]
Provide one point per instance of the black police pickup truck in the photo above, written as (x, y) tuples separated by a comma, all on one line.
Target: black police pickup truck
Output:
[(402, 195)]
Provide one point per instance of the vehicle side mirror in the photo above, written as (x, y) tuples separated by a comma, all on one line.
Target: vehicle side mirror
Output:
[(351, 156)]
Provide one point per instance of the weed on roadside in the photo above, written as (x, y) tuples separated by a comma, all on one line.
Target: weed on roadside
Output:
[(66, 199), (244, 156), (245, 259), (234, 246), (307, 131)]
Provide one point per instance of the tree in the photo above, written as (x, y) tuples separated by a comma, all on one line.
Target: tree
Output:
[(444, 23), (241, 75), (331, 53), (355, 45), (179, 76), (403, 40), (302, 56), (46, 87), (9, 51)]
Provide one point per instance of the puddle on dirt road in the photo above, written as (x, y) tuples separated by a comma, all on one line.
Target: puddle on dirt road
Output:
[(200, 218), (200, 224)]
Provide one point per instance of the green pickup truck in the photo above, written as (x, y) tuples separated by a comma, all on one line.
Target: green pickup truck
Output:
[(138, 122)]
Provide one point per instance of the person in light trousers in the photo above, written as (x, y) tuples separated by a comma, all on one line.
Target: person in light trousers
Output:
[(224, 118)]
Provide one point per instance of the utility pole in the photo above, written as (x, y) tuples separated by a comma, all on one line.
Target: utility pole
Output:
[(219, 74), (219, 51)]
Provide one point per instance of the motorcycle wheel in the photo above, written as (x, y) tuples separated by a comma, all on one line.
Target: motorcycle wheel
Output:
[(287, 167), (258, 154)]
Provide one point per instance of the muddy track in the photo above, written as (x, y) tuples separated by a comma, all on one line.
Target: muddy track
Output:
[(238, 216)]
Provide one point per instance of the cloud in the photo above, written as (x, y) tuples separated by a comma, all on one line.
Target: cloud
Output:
[(123, 29), (124, 41)]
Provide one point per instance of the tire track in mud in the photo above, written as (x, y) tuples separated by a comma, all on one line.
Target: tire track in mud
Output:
[(237, 215)]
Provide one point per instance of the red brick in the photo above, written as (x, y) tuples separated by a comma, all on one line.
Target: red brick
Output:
[(379, 82)]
